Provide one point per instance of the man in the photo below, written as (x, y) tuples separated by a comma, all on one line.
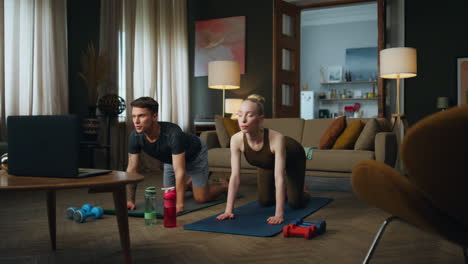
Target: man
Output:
[(181, 153)]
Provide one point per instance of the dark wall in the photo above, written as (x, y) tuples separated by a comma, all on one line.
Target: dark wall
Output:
[(83, 27), (438, 32), (259, 50)]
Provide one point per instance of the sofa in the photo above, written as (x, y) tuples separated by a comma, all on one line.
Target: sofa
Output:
[(324, 162)]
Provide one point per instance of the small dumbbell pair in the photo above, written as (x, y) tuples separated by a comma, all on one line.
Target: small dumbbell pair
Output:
[(294, 230), (80, 215), (321, 226), (305, 229)]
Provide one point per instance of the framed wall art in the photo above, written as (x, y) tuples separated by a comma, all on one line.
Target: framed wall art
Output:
[(335, 73), (219, 39)]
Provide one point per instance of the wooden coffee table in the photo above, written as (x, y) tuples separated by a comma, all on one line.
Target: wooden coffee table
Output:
[(113, 182)]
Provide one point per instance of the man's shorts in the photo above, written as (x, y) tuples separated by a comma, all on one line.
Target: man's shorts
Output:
[(197, 169)]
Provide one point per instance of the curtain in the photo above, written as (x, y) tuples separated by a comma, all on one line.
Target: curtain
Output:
[(173, 61), (148, 39), (2, 72), (161, 58), (34, 48)]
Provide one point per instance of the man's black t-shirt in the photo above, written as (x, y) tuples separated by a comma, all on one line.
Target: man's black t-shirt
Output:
[(171, 141)]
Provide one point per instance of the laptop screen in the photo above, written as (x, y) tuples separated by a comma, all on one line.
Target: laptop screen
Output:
[(44, 146)]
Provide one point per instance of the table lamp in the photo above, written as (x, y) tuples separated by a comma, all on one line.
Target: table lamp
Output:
[(224, 75), (442, 103), (398, 63), (232, 106)]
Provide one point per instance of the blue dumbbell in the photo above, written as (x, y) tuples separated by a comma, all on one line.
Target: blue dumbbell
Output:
[(71, 210), (320, 225), (80, 215)]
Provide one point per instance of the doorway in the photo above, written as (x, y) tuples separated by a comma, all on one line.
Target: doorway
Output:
[(339, 55), (288, 82)]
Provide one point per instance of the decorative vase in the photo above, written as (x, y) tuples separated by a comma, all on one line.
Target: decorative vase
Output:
[(90, 125)]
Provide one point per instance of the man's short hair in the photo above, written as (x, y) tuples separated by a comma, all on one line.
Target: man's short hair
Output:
[(146, 102)]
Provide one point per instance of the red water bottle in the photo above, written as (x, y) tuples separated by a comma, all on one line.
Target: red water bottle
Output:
[(169, 207)]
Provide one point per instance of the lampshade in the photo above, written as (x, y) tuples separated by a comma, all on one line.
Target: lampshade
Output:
[(232, 105), (398, 63), (223, 75), (442, 102)]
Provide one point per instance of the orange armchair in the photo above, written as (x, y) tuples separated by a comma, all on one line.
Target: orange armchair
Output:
[(433, 196)]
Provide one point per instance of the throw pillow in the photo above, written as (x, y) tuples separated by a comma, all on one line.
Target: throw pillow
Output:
[(221, 132), (366, 140), (349, 136), (333, 132), (231, 126)]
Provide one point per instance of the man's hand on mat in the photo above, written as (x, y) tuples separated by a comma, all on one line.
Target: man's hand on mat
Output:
[(275, 220), (131, 206), (225, 216), (179, 207)]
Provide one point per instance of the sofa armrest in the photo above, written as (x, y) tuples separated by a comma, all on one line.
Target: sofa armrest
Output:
[(210, 139), (386, 148)]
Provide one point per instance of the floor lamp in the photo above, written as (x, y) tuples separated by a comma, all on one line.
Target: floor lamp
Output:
[(224, 75), (232, 106), (398, 63)]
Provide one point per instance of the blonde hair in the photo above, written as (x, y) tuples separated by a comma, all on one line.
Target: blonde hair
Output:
[(258, 100)]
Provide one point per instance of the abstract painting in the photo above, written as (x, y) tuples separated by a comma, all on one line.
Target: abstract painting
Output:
[(219, 39), (462, 76), (362, 63)]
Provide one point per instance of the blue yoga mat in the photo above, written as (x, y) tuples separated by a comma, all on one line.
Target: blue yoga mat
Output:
[(251, 219)]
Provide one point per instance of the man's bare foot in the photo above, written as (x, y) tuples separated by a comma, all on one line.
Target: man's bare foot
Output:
[(224, 183)]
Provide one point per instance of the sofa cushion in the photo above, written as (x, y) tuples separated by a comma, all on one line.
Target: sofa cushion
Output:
[(333, 132), (221, 158), (366, 141), (349, 136), (221, 132), (291, 127), (313, 131), (231, 126), (341, 160)]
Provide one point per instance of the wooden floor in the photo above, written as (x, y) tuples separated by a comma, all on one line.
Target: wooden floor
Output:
[(351, 228)]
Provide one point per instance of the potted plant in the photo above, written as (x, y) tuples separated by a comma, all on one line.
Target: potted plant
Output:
[(95, 73)]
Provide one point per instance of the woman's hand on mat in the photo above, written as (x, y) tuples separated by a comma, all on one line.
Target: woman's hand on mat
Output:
[(131, 206), (179, 207), (225, 216), (275, 220)]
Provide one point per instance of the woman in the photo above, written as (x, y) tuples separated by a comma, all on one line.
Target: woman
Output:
[(272, 153)]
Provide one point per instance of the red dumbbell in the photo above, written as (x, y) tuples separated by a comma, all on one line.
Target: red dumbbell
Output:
[(293, 230)]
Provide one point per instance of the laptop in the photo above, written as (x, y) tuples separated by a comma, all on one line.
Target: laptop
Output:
[(46, 146)]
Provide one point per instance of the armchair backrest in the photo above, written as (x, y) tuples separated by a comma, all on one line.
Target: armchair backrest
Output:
[(435, 154)]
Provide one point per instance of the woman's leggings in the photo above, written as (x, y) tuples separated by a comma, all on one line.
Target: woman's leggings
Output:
[(295, 173)]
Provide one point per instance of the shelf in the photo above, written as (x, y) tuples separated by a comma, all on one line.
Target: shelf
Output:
[(352, 82), (348, 99)]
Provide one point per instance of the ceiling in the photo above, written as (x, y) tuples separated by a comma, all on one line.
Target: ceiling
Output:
[(339, 14), (305, 2)]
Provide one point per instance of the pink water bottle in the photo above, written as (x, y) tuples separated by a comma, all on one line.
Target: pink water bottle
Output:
[(169, 207)]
